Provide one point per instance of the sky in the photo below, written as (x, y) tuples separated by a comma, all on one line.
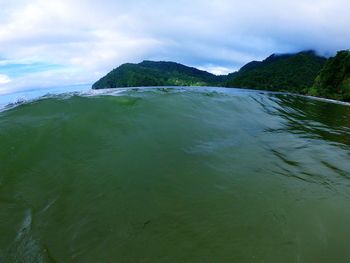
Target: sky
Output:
[(52, 43)]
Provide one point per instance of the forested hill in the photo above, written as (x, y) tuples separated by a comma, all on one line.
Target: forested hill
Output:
[(287, 72), (303, 73), (150, 73), (334, 79)]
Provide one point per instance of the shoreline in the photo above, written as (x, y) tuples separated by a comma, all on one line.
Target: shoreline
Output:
[(16, 99), (236, 88)]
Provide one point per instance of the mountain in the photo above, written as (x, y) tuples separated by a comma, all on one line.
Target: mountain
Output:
[(150, 73), (334, 79), (303, 73), (287, 72)]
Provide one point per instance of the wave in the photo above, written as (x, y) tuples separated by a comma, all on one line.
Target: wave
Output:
[(98, 175), (22, 99)]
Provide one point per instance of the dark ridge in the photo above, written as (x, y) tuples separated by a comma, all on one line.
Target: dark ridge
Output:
[(280, 72), (334, 79), (305, 72), (160, 73)]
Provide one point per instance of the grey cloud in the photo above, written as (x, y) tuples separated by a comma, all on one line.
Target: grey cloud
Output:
[(97, 36)]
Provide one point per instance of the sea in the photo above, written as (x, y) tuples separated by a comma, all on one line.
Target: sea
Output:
[(173, 174)]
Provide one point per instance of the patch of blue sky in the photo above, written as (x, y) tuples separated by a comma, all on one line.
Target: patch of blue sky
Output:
[(15, 70)]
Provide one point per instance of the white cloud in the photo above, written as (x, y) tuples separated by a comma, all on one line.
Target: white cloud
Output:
[(95, 37), (216, 70), (4, 79)]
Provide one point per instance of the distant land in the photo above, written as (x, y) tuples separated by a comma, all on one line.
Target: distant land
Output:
[(303, 73), (150, 73), (286, 72), (334, 79)]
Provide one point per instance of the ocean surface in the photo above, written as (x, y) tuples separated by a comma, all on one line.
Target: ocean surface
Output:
[(174, 175)]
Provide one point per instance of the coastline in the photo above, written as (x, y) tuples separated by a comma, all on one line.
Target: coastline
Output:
[(16, 99)]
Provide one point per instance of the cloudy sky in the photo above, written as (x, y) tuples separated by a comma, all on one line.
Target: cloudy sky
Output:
[(47, 43)]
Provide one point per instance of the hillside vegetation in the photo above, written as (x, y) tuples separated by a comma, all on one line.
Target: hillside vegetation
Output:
[(334, 79), (150, 73), (289, 72), (303, 73)]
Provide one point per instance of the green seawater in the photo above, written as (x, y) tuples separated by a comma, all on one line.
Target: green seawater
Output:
[(175, 175)]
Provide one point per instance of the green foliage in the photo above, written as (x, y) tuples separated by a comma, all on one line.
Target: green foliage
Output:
[(334, 79), (303, 73), (149, 73), (291, 72)]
